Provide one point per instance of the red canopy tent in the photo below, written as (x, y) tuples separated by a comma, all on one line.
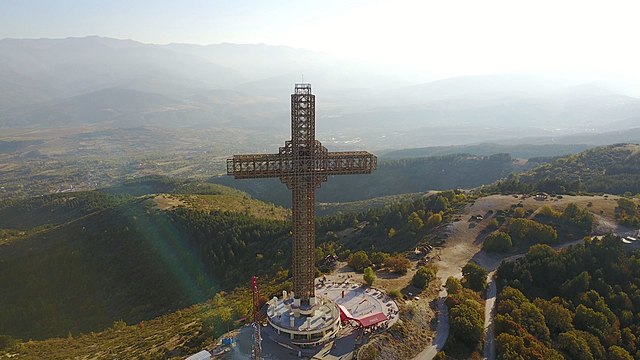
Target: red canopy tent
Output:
[(366, 321), (371, 320)]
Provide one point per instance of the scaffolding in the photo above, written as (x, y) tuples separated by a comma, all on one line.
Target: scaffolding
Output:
[(302, 164)]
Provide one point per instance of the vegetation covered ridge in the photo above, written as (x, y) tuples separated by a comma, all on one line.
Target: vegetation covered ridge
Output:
[(581, 303), (610, 169), (78, 261)]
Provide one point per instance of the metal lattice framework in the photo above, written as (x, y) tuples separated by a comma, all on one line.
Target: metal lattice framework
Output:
[(302, 164)]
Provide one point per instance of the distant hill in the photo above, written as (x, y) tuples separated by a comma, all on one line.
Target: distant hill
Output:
[(101, 256), (609, 137), (77, 262), (68, 67), (611, 169), (498, 102), (520, 151)]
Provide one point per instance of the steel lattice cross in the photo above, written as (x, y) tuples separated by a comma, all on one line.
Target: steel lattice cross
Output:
[(302, 164)]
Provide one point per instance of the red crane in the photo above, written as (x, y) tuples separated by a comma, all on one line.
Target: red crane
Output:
[(257, 337)]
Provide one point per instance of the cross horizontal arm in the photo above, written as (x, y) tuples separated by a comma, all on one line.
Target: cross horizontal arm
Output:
[(348, 162), (257, 166), (279, 165)]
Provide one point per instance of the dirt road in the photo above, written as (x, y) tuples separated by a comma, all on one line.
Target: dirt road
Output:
[(464, 243)]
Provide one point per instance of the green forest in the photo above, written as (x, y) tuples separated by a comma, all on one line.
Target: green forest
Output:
[(610, 169), (77, 262), (581, 303)]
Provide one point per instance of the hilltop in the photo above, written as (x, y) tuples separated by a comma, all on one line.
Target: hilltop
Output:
[(100, 256), (607, 169), (518, 151), (154, 245)]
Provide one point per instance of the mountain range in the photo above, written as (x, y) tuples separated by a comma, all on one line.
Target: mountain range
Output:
[(95, 81)]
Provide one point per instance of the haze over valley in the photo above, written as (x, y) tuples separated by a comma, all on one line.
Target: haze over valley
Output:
[(130, 106)]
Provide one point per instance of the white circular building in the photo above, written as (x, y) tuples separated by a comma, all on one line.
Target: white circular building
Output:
[(304, 325)]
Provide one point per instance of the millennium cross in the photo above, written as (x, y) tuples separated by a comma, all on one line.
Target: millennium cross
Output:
[(302, 164)]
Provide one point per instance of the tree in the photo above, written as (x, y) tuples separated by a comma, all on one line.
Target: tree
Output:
[(395, 294), (577, 285), (627, 205), (497, 241), (378, 257), (7, 343), (558, 318), (392, 233), (440, 203), (618, 353), (398, 264), (467, 322), (423, 276), (415, 223), (359, 260), (510, 346), (453, 285), (592, 321), (574, 346), (582, 218), (369, 276), (629, 340), (119, 325), (434, 220), (475, 277), (492, 225), (532, 231), (531, 318), (548, 211)]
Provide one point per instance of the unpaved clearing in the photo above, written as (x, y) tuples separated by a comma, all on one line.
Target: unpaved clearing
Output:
[(464, 239), (167, 202)]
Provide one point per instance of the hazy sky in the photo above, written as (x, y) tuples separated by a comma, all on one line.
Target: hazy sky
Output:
[(443, 37)]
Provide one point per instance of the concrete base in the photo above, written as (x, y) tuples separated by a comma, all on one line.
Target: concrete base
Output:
[(304, 325)]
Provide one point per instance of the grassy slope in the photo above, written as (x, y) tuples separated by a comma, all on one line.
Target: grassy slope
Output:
[(79, 268), (173, 335), (235, 201)]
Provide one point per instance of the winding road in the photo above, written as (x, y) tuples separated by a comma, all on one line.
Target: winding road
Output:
[(463, 245), (442, 329), (489, 349)]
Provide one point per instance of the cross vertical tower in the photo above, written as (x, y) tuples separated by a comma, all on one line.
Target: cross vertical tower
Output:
[(302, 164)]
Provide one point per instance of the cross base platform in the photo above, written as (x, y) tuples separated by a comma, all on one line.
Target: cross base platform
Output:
[(304, 325)]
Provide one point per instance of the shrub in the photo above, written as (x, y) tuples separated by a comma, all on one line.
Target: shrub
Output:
[(398, 264), (453, 285), (7, 343), (497, 241), (369, 276), (475, 277), (467, 322), (359, 260), (395, 294), (423, 276)]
